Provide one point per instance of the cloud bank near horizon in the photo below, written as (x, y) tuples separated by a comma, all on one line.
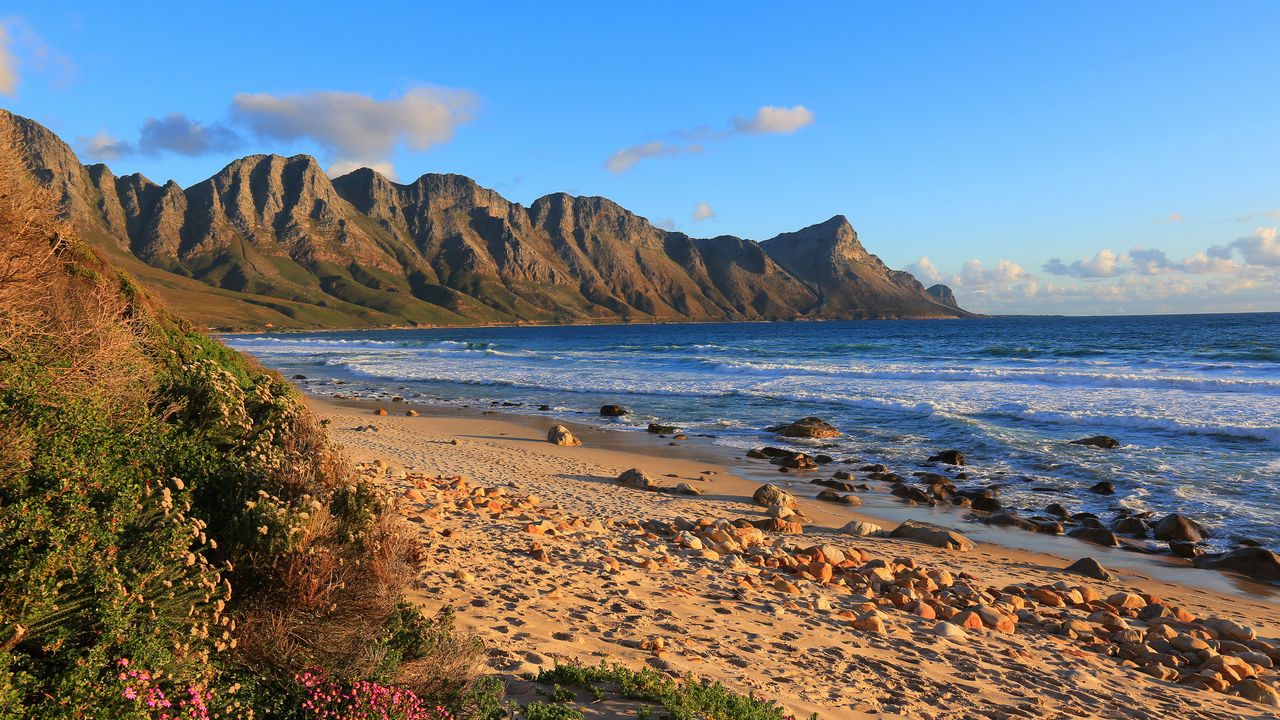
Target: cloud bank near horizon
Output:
[(1239, 275)]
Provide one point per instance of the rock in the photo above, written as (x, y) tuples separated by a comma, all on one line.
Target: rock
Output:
[(1057, 510), (414, 495), (299, 377), (1103, 488), (932, 535), (1255, 690), (1130, 527), (871, 622), (657, 429), (986, 504), (912, 493), (950, 457), (835, 497), (380, 411), (796, 461), (687, 489), (636, 478), (948, 630), (1090, 568), (858, 528), (770, 495), (613, 411), (1098, 441), (1188, 550), (560, 435), (757, 454), (808, 427), (411, 413), (1180, 528), (1126, 600), (1098, 536), (1257, 563)]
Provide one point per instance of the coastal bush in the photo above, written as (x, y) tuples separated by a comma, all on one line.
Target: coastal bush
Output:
[(178, 536)]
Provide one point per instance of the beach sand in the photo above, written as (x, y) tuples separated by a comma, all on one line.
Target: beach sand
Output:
[(609, 590)]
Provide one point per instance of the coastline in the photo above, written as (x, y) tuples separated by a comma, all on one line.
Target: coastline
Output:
[(740, 476), (576, 607)]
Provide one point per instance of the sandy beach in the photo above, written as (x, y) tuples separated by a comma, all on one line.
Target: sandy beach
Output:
[(555, 560)]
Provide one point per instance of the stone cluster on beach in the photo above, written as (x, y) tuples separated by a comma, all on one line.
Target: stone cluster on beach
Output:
[(768, 561), (1181, 536)]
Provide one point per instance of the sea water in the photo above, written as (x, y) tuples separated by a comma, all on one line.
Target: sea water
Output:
[(1195, 399)]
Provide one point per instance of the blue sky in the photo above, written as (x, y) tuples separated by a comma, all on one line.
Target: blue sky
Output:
[(1025, 149)]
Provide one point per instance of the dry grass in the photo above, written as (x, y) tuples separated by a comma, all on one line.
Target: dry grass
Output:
[(60, 305)]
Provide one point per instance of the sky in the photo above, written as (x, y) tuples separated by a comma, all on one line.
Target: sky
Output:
[(1078, 158)]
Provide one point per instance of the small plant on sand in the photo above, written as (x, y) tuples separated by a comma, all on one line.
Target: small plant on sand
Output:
[(687, 699), (551, 711)]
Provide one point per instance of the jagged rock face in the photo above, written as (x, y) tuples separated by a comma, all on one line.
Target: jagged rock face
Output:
[(943, 294), (445, 250), (850, 282)]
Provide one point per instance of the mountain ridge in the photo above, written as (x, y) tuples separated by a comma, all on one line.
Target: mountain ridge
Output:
[(272, 241)]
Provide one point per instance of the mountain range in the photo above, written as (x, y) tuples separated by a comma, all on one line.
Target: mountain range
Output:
[(272, 241)]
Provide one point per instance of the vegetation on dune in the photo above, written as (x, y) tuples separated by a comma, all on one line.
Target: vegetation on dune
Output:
[(178, 539)]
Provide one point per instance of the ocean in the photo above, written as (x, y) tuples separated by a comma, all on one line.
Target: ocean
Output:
[(1195, 399)]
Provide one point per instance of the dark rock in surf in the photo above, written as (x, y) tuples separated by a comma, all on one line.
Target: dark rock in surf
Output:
[(950, 457), (1103, 488), (1130, 527), (1257, 563), (1177, 527), (1098, 536), (613, 411), (808, 427), (1183, 549), (657, 429), (1099, 441)]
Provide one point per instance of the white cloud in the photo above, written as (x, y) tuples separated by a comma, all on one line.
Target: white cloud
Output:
[(702, 211), (767, 120), (355, 129), (1205, 264), (1104, 264), (103, 146), (1260, 248), (8, 64), (1173, 217), (974, 276), (775, 120), (925, 271), (626, 158)]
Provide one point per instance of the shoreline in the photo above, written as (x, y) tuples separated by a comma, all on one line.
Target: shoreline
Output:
[(609, 587), (879, 506)]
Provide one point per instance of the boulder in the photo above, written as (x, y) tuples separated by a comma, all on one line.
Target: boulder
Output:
[(808, 427), (1255, 690), (638, 479), (1179, 528), (1103, 488), (858, 528), (1098, 536), (560, 435), (657, 429), (687, 489), (950, 457), (770, 495), (1257, 563), (932, 535), (1090, 568), (1130, 527), (1098, 441), (1188, 550), (613, 411)]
